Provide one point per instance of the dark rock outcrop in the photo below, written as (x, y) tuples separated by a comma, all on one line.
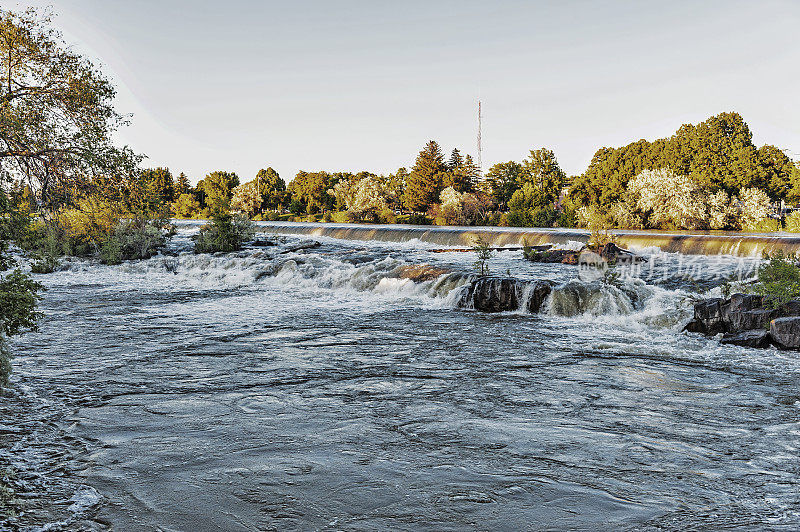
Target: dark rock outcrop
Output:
[(610, 253), (746, 320), (504, 294), (785, 332), (754, 338)]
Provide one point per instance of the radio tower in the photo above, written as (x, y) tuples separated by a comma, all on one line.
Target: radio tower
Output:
[(480, 165)]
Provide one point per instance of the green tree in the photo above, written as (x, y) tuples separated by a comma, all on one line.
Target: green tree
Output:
[(310, 189), (186, 206), (503, 180), (151, 191), (182, 185), (424, 183), (530, 207), (718, 154), (793, 196), (471, 173), (271, 187), (218, 190), (541, 170), (56, 114), (18, 292)]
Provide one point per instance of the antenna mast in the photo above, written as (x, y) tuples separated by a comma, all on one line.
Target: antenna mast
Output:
[(480, 165)]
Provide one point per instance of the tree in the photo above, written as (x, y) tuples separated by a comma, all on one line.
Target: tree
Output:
[(424, 183), (793, 196), (186, 206), (367, 201), (150, 191), (56, 114), (18, 292), (717, 154), (246, 198), (542, 171), (456, 160), (668, 200), (530, 207), (310, 189), (503, 180), (271, 187), (471, 173), (218, 188), (182, 185)]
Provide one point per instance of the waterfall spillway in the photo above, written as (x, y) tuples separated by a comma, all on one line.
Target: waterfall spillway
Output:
[(686, 242)]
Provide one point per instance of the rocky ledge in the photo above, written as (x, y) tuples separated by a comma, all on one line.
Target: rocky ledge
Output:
[(746, 320), (504, 294), (610, 253)]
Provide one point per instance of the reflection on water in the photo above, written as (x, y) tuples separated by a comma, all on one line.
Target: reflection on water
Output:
[(325, 389)]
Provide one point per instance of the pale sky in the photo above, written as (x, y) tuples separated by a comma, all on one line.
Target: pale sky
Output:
[(362, 85)]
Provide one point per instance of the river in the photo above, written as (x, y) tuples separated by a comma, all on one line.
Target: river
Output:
[(280, 388)]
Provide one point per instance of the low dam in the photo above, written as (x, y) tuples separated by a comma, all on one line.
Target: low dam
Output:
[(686, 242)]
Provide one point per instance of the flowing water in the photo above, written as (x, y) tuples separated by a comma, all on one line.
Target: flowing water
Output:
[(338, 388)]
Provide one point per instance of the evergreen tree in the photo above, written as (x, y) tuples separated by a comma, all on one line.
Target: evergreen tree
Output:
[(472, 173), (425, 181), (182, 185), (542, 171), (456, 160)]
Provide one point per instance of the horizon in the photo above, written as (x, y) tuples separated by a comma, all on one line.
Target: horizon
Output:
[(337, 88)]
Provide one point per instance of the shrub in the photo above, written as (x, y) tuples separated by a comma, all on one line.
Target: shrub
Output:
[(668, 200), (132, 240), (765, 225), (484, 253), (414, 219), (792, 222), (186, 206), (754, 207), (778, 279), (18, 297), (225, 233), (340, 217), (44, 263)]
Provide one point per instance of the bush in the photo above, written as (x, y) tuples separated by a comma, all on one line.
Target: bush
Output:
[(18, 297), (778, 279), (225, 233), (186, 206), (133, 240), (44, 263), (792, 222), (414, 219), (340, 217), (765, 225)]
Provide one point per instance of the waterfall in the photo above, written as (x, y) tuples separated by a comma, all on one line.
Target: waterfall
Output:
[(686, 242)]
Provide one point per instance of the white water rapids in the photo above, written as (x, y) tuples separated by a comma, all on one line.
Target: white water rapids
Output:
[(339, 387)]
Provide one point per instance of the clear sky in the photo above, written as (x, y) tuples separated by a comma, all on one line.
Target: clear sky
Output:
[(362, 85)]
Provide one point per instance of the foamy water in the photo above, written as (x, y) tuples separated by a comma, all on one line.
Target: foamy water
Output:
[(322, 388)]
